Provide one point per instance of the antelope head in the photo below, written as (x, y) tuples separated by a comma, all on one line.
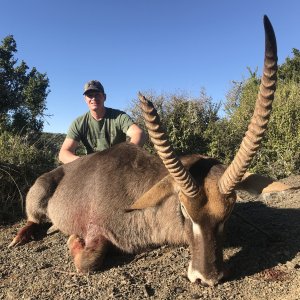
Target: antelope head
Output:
[(207, 202)]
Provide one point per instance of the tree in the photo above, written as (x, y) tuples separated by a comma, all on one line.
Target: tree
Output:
[(290, 69), (23, 92)]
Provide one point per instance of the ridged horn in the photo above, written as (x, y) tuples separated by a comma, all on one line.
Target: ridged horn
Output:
[(258, 124), (165, 151)]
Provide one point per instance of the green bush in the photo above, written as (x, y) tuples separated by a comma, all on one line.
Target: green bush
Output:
[(21, 162), (184, 118), (193, 126), (279, 154), (227, 133)]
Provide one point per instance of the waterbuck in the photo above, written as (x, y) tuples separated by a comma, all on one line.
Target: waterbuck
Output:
[(129, 198)]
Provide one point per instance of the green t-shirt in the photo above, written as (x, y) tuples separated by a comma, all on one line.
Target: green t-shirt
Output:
[(99, 135)]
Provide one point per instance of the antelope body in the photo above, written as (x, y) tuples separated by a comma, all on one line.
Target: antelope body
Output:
[(126, 197)]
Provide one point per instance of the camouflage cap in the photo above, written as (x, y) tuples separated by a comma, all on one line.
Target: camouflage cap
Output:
[(93, 85)]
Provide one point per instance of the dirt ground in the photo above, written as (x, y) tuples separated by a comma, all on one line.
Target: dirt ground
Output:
[(264, 261)]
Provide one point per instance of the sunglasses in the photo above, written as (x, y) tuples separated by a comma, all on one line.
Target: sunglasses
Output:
[(93, 95)]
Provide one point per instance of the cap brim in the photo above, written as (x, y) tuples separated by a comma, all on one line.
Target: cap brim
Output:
[(88, 90)]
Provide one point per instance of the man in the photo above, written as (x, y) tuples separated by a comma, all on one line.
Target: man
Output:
[(100, 128)]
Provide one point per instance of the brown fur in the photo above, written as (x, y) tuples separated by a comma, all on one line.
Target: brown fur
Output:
[(88, 198), (257, 184)]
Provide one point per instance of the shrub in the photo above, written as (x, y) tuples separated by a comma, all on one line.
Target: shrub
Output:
[(184, 118), (279, 154), (20, 164)]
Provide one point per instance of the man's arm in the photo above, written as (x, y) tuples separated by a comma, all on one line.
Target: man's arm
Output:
[(136, 134), (67, 151)]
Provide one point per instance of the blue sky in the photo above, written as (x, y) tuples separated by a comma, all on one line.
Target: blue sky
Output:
[(162, 46)]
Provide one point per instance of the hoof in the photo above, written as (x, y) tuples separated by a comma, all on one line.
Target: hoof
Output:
[(20, 240), (25, 235), (53, 229), (15, 242)]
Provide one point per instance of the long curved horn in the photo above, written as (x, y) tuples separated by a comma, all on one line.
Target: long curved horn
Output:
[(260, 118), (165, 150)]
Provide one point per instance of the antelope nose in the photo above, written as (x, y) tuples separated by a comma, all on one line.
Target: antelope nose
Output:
[(196, 276)]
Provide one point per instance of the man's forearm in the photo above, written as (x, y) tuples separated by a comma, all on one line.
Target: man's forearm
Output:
[(137, 135), (67, 156)]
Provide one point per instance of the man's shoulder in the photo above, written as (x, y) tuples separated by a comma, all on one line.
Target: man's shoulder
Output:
[(119, 118), (82, 118), (78, 126), (114, 113)]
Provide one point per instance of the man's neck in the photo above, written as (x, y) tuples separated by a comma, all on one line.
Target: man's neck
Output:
[(99, 114)]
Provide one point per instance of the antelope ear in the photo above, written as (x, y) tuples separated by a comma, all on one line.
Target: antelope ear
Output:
[(156, 195), (258, 184)]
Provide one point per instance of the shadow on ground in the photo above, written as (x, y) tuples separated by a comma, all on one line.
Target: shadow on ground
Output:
[(277, 241)]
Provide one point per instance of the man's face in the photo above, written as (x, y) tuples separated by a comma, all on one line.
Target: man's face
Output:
[(94, 100)]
